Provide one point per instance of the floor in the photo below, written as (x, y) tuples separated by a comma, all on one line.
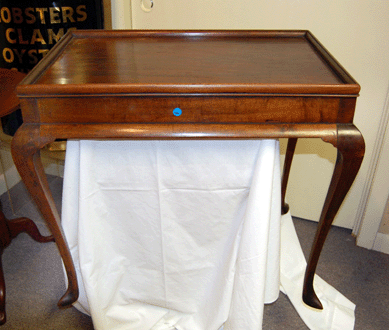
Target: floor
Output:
[(35, 280)]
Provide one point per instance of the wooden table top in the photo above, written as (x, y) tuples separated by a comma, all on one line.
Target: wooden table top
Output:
[(168, 62)]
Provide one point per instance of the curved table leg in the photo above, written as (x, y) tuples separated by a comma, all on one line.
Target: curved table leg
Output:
[(26, 146), (285, 174), (351, 149), (26, 225)]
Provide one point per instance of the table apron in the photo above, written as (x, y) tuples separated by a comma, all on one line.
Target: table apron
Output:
[(199, 109)]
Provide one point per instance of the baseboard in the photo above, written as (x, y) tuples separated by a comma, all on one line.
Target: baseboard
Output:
[(381, 243), (3, 186), (55, 169), (13, 178)]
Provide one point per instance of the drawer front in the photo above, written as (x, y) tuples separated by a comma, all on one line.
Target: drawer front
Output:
[(192, 109)]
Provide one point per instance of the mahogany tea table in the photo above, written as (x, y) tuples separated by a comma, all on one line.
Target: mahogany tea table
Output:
[(189, 85)]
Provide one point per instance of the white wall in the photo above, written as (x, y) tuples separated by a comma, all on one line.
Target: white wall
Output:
[(355, 32)]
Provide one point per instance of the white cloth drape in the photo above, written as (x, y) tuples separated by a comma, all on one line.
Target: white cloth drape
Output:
[(183, 235)]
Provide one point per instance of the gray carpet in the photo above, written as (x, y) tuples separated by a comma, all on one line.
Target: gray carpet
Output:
[(35, 281)]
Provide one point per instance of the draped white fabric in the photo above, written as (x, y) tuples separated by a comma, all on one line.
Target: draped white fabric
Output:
[(182, 235)]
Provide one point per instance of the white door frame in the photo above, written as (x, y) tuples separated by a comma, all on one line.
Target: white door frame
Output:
[(375, 194)]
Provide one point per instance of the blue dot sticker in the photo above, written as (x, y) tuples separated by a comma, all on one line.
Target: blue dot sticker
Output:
[(177, 112)]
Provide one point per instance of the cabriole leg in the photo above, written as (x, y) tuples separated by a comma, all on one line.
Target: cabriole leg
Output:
[(285, 174), (26, 146), (351, 149)]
